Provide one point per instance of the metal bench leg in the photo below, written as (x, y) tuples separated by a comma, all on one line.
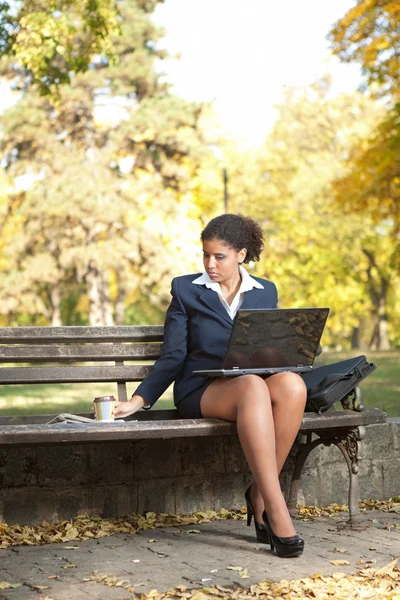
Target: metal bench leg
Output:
[(351, 448), (301, 457)]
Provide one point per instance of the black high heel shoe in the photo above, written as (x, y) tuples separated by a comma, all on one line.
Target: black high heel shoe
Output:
[(285, 547), (261, 532)]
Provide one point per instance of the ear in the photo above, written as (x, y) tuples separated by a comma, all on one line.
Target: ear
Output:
[(242, 255)]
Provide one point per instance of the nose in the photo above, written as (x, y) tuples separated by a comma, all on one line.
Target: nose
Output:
[(211, 262)]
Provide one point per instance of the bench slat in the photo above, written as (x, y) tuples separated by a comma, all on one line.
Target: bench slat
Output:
[(311, 420), (37, 434), (69, 334), (97, 374), (130, 430), (332, 419), (78, 353)]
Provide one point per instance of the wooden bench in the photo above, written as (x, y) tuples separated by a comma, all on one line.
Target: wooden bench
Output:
[(56, 354)]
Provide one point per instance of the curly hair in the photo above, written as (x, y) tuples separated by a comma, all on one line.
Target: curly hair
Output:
[(237, 232)]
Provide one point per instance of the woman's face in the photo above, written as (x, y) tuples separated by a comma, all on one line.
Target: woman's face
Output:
[(221, 261)]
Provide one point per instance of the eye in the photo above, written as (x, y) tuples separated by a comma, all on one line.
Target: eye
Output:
[(220, 256)]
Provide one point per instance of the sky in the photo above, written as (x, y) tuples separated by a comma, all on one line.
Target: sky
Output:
[(242, 53)]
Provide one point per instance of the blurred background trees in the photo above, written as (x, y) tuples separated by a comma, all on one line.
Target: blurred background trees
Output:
[(108, 178)]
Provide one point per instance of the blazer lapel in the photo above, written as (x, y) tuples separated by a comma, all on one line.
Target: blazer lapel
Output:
[(211, 299), (252, 298)]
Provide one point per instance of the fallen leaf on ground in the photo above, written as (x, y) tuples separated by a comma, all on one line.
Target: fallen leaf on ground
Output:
[(110, 581), (193, 531), (85, 527), (340, 562), (40, 587), (4, 585), (369, 584)]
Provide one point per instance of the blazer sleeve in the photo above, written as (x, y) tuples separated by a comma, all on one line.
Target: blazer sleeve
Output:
[(173, 351)]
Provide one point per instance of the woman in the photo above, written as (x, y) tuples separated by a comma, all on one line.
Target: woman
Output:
[(268, 411)]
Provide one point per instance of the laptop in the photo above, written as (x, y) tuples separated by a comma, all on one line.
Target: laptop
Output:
[(269, 341)]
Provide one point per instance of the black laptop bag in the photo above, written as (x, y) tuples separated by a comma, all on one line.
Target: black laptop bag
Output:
[(331, 383)]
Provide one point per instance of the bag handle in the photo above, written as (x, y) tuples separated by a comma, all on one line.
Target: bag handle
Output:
[(332, 378)]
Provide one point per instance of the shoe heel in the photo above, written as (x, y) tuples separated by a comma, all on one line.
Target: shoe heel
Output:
[(285, 547), (261, 533), (249, 514), (250, 511)]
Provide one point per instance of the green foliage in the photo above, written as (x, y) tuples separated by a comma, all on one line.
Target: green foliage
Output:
[(315, 255), (53, 40), (370, 184), (369, 33), (108, 181), (371, 181), (74, 201)]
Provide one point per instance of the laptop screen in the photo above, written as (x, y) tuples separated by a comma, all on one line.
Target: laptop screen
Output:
[(284, 337)]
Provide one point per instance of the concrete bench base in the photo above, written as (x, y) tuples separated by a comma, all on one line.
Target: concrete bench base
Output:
[(175, 475)]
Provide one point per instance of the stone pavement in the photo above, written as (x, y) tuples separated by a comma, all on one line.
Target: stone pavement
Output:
[(195, 556)]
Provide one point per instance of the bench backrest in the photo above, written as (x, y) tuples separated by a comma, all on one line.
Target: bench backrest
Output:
[(53, 351)]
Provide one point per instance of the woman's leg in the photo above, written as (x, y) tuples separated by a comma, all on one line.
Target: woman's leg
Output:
[(288, 398), (247, 400)]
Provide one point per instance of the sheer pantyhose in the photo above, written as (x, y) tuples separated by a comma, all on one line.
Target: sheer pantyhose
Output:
[(268, 414)]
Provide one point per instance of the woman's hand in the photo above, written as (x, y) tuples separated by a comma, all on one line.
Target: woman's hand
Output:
[(123, 409)]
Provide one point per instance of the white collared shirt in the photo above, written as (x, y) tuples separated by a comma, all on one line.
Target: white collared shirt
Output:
[(247, 284)]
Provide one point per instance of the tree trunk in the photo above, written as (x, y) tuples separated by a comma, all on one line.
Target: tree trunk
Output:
[(100, 311), (55, 301), (380, 336), (355, 338), (378, 287)]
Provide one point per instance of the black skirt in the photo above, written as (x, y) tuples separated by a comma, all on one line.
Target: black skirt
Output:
[(189, 406)]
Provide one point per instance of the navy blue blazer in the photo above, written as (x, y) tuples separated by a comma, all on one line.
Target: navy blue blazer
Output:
[(196, 334)]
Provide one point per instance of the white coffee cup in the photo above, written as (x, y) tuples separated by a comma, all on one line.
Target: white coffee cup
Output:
[(104, 408)]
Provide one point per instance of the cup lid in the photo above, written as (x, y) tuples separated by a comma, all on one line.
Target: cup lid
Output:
[(105, 399)]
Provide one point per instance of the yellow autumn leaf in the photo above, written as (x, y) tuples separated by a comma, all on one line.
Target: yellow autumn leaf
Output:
[(193, 531), (4, 585), (40, 587), (199, 596)]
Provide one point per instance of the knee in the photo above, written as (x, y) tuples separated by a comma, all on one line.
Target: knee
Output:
[(252, 389), (292, 388)]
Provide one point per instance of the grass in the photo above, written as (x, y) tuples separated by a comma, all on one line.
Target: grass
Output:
[(381, 389), (46, 399)]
